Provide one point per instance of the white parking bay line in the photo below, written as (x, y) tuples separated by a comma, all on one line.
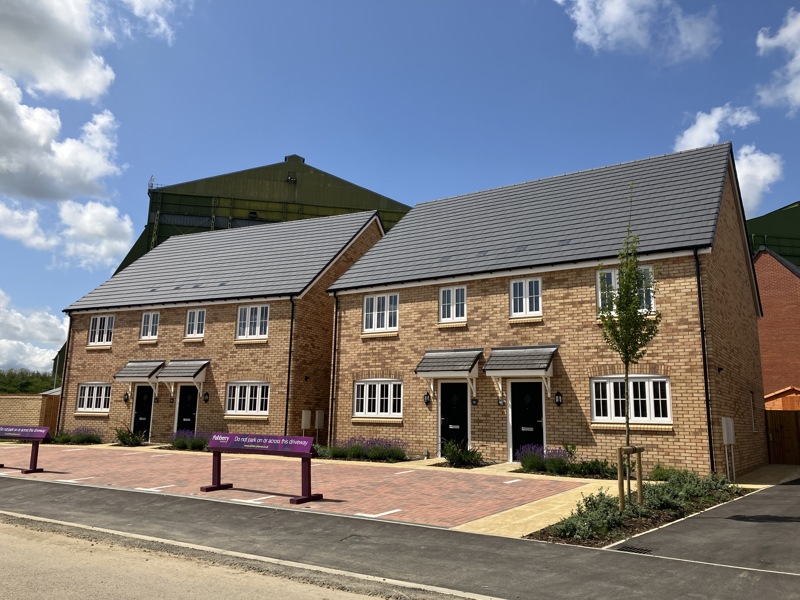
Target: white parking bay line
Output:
[(154, 489), (254, 500), (73, 480), (379, 515), (404, 472), (231, 459), (75, 450), (513, 481)]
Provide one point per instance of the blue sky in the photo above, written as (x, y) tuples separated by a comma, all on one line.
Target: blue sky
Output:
[(416, 100)]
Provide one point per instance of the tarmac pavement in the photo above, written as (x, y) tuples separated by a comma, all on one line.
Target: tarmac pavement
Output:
[(746, 548)]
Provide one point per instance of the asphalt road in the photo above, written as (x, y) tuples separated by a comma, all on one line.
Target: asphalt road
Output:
[(444, 559)]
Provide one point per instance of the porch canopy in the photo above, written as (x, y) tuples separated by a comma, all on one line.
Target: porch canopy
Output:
[(184, 371), (528, 362), (450, 364), (140, 371)]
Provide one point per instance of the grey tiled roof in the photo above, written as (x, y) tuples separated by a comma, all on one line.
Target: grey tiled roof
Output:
[(520, 358), (454, 361), (274, 259), (139, 370), (182, 369), (564, 219)]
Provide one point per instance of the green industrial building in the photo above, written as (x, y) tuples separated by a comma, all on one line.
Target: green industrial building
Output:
[(779, 231), (284, 191)]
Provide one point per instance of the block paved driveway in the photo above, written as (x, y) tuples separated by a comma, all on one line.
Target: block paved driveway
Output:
[(404, 492)]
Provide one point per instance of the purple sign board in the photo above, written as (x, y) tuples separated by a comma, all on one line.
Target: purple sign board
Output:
[(289, 444), (23, 432)]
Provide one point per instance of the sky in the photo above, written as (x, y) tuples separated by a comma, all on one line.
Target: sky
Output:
[(413, 99)]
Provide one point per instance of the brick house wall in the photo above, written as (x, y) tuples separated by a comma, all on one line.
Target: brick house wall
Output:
[(21, 409), (779, 329), (230, 360), (731, 320), (569, 306)]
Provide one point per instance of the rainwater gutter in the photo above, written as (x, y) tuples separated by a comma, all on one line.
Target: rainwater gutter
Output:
[(705, 359), (289, 369)]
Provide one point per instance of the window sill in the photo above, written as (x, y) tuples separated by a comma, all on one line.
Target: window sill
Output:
[(194, 340), (522, 320), (452, 325), (264, 418), (103, 414), (634, 427), (650, 317), (380, 334), (148, 342), (377, 420), (98, 347), (245, 342)]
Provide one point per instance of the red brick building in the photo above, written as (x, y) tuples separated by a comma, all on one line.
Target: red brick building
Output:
[(779, 329)]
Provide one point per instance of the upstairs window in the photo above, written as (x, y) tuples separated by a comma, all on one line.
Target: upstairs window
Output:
[(380, 313), (607, 281), (101, 330), (253, 322), (378, 398), (149, 326), (453, 304), (526, 297), (196, 323), (94, 397)]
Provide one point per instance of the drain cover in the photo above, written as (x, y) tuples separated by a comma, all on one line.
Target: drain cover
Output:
[(634, 550)]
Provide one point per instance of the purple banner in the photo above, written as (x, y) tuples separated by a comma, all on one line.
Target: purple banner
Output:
[(272, 443), (23, 432)]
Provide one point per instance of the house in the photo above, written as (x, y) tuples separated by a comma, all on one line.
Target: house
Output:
[(227, 330), (779, 330), (475, 320)]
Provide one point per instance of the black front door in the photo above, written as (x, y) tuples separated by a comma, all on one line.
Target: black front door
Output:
[(527, 423), (454, 413), (143, 411), (187, 408)]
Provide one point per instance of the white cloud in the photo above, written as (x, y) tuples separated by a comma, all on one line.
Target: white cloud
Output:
[(50, 45), (35, 164), (785, 86), (658, 26), (706, 128), (757, 172), (23, 226), (29, 339), (156, 14), (95, 234)]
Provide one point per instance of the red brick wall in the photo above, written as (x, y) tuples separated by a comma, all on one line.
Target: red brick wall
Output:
[(779, 329)]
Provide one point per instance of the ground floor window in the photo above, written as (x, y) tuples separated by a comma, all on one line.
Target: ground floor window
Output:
[(378, 398), (247, 398), (648, 399), (94, 397)]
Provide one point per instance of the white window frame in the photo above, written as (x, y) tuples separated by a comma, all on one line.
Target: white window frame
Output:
[(379, 314), (195, 326), (149, 328), (453, 304), (247, 398), (101, 330), (382, 398), (94, 397), (614, 275), (608, 399), (527, 304), (252, 322)]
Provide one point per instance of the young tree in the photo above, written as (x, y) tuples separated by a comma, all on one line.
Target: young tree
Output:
[(627, 316)]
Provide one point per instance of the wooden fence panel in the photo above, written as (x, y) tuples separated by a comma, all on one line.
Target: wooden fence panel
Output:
[(783, 431)]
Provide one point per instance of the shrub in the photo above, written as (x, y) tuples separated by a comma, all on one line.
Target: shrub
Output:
[(79, 435), (126, 437), (186, 439), (593, 468), (360, 448), (531, 457), (662, 473), (461, 456)]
